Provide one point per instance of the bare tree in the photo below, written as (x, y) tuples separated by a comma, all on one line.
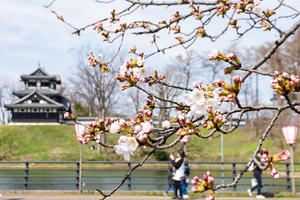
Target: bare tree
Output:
[(188, 66), (3, 88), (165, 92), (98, 90)]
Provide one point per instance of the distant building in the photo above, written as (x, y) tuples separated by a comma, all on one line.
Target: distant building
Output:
[(39, 102)]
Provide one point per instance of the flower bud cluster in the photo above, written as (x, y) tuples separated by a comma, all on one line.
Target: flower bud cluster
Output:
[(93, 61), (197, 13), (266, 24), (133, 50), (98, 126), (106, 35), (233, 23), (241, 6), (203, 185), (122, 28), (231, 59), (164, 22), (201, 32), (269, 13), (223, 10), (113, 16), (98, 27), (271, 160), (180, 40), (176, 15), (285, 84), (67, 115), (176, 29), (144, 25), (189, 129)]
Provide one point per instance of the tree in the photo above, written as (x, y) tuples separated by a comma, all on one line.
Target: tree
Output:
[(98, 90), (194, 20), (3, 113), (165, 92)]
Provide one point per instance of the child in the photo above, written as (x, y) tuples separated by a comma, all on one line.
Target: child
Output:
[(185, 180), (170, 181)]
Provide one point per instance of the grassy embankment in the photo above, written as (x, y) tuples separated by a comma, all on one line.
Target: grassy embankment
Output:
[(58, 143)]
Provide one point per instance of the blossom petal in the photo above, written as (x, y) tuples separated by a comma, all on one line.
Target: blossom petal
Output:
[(126, 155)]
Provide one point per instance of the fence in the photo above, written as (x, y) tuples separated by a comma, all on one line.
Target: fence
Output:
[(231, 167)]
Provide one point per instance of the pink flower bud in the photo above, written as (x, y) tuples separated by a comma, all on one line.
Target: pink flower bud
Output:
[(210, 197), (208, 173), (205, 177), (276, 73), (237, 79), (199, 83), (194, 189), (210, 180), (195, 85)]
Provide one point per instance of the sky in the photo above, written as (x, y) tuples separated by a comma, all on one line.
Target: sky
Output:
[(30, 34)]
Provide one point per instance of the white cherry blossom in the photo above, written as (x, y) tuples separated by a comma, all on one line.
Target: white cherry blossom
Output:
[(114, 127), (214, 53), (146, 127), (197, 95), (257, 10), (213, 102), (126, 146), (166, 124), (188, 100), (143, 72), (198, 108)]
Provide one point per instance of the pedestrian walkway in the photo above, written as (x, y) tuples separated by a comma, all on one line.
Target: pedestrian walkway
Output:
[(116, 197)]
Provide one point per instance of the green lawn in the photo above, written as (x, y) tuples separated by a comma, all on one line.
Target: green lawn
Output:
[(58, 143)]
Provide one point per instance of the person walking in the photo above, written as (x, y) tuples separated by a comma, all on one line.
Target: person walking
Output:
[(184, 180), (257, 174), (170, 181), (178, 172)]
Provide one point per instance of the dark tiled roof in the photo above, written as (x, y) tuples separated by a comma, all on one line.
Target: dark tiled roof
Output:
[(19, 104), (33, 105), (40, 73), (42, 91)]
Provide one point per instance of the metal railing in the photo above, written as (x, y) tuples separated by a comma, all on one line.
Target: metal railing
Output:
[(129, 182)]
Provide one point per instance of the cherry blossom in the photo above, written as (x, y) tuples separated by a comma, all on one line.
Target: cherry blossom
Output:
[(143, 72), (210, 197), (198, 108), (126, 146), (146, 127), (213, 54), (257, 10), (197, 95), (188, 100), (115, 127), (166, 124)]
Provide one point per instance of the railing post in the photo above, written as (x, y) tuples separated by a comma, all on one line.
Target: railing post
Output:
[(233, 174), (77, 176), (26, 176), (288, 182), (129, 178)]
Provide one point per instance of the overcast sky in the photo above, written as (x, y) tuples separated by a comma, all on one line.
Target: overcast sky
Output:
[(31, 34)]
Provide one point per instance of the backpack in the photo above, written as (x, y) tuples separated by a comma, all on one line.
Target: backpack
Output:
[(187, 170), (252, 167)]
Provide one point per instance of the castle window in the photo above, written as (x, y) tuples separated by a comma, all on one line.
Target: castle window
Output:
[(43, 84), (32, 84), (35, 101)]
